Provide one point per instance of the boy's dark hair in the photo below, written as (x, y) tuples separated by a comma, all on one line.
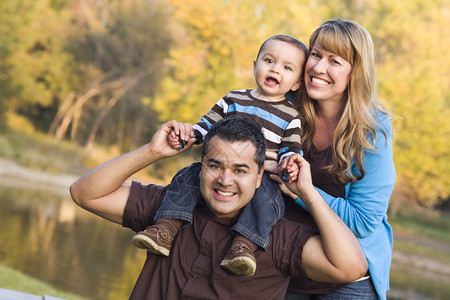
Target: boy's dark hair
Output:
[(288, 39), (238, 129)]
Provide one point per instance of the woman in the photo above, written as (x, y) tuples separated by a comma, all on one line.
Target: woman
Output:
[(347, 141)]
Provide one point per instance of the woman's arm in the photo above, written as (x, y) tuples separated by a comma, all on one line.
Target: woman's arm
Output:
[(367, 199), (336, 255)]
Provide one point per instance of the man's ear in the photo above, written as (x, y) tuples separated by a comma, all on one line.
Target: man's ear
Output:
[(260, 175)]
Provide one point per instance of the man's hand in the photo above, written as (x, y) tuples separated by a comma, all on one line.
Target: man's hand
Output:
[(165, 141)]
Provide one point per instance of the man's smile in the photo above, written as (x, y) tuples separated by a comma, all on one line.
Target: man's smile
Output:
[(224, 193)]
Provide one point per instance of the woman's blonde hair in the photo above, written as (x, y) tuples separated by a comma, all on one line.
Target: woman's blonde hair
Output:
[(352, 42)]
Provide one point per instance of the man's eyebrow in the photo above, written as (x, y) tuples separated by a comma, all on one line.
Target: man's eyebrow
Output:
[(242, 165), (215, 161)]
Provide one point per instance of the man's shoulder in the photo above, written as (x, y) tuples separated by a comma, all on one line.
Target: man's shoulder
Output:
[(143, 201)]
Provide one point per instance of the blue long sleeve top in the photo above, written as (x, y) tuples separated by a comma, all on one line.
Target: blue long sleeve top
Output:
[(365, 206)]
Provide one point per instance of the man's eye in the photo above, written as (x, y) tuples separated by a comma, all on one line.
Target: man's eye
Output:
[(239, 171)]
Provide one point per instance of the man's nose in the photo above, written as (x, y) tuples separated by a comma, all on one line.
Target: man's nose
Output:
[(225, 178)]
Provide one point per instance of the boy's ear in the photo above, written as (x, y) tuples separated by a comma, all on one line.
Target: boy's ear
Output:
[(254, 65), (297, 85)]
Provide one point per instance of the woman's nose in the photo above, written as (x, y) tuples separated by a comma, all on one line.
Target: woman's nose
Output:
[(320, 66)]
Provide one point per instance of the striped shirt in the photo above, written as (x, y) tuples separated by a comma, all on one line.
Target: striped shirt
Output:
[(280, 120)]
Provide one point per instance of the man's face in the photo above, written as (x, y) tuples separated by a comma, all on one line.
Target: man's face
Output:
[(229, 176)]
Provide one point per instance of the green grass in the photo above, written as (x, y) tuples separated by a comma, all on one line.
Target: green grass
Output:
[(412, 248), (14, 280), (433, 225), (40, 152), (432, 229), (431, 288)]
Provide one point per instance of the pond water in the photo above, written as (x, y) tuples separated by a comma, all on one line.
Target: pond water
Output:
[(45, 235)]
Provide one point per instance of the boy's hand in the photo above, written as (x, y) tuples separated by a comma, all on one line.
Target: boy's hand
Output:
[(180, 136), (290, 169), (303, 185)]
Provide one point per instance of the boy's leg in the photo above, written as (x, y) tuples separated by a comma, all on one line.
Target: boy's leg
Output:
[(177, 207), (255, 224), (157, 239), (240, 258)]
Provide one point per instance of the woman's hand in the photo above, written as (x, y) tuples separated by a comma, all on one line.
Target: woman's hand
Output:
[(303, 185), (271, 166)]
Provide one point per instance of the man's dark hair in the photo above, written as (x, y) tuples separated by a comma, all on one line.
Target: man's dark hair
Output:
[(238, 129)]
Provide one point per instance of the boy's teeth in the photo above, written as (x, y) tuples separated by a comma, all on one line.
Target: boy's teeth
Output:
[(319, 81)]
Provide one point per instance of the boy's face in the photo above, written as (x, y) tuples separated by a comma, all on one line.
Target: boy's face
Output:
[(229, 176), (278, 70)]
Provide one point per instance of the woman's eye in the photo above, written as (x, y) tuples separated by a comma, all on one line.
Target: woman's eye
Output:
[(314, 54)]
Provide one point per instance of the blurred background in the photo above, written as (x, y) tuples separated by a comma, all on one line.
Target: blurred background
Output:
[(82, 81)]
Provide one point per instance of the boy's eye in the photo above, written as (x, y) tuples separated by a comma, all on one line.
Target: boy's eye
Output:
[(288, 68), (269, 60)]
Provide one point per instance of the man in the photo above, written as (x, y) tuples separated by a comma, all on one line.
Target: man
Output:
[(232, 167)]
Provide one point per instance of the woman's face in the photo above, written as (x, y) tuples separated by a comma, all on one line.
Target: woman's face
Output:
[(326, 75)]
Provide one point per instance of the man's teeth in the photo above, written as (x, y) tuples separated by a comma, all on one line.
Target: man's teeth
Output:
[(319, 81), (224, 193)]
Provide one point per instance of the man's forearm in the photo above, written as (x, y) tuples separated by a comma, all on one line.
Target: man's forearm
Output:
[(110, 175), (101, 190), (339, 244)]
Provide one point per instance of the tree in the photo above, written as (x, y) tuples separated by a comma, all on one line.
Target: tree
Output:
[(218, 41), (119, 51), (413, 76)]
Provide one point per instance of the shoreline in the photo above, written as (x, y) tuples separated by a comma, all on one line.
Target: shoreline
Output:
[(12, 174)]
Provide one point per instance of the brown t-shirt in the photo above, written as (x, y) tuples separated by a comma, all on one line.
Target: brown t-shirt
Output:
[(192, 270), (321, 179)]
